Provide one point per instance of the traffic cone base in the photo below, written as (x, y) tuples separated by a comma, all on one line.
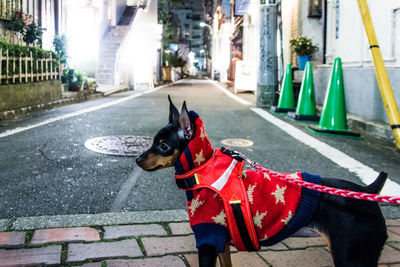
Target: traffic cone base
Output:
[(281, 110), (300, 117), (345, 133)]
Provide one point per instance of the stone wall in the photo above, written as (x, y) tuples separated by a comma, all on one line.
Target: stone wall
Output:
[(16, 96)]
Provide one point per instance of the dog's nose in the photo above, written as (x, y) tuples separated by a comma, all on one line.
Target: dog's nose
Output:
[(139, 160)]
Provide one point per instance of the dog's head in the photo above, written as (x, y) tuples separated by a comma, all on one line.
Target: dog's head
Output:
[(170, 141)]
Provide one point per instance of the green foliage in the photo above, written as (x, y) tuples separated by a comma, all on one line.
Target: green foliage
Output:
[(170, 34), (32, 33), (303, 46), (173, 60), (61, 46), (15, 50)]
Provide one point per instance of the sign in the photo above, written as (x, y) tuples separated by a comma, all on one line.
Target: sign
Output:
[(226, 9), (245, 76), (241, 7)]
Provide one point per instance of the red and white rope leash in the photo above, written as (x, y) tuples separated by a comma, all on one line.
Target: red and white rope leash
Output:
[(322, 188)]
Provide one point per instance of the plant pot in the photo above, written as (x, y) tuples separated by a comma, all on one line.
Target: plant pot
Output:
[(301, 61)]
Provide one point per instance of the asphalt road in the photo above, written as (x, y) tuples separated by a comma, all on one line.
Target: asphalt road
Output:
[(47, 170)]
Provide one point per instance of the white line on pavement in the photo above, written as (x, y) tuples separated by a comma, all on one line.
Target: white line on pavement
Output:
[(228, 93), (126, 188), (365, 173), (80, 112)]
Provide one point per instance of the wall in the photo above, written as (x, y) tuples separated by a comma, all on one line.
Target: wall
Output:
[(28, 94), (363, 98), (346, 39)]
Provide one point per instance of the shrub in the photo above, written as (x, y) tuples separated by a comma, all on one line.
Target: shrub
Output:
[(303, 46)]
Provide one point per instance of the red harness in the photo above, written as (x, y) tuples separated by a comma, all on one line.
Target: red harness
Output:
[(223, 175)]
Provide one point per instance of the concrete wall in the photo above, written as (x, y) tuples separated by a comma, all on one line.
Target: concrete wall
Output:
[(363, 97), (28, 94)]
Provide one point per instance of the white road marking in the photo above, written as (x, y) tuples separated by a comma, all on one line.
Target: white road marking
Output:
[(126, 188), (365, 173), (228, 93), (77, 113)]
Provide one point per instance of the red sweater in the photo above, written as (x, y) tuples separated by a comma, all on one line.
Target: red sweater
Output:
[(273, 202)]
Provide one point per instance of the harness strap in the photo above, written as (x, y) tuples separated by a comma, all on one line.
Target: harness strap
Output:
[(186, 183), (222, 176), (241, 225)]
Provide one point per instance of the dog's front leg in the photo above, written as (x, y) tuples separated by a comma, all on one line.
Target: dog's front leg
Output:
[(207, 256), (225, 258)]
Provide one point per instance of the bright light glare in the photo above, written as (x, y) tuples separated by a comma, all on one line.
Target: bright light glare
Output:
[(83, 36)]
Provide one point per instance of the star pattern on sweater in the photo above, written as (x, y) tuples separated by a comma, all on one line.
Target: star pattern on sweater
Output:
[(250, 192), (196, 202), (258, 219), (202, 133), (279, 194), (266, 176), (220, 218), (264, 238), (288, 218), (294, 176), (199, 158)]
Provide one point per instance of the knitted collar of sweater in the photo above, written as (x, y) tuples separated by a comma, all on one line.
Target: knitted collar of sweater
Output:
[(198, 151)]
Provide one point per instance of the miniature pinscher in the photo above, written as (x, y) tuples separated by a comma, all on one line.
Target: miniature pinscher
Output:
[(354, 230)]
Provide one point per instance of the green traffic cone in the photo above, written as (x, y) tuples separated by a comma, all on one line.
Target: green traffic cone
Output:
[(286, 98), (334, 116), (306, 109)]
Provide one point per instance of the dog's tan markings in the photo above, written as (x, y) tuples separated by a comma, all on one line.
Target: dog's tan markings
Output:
[(279, 194), (196, 202), (199, 158), (258, 219), (266, 176), (288, 218), (250, 192), (220, 218), (154, 161)]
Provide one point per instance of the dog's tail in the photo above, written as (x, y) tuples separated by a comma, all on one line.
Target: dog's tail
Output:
[(377, 185)]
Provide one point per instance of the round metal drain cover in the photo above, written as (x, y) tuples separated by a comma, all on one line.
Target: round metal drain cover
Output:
[(237, 142), (120, 145)]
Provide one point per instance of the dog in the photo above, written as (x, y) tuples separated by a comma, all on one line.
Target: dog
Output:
[(354, 230)]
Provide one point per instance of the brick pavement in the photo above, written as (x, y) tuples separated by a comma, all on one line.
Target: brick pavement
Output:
[(158, 244)]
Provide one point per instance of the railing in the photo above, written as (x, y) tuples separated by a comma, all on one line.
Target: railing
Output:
[(8, 7), (27, 69)]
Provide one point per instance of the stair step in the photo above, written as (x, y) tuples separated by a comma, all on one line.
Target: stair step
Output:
[(127, 16)]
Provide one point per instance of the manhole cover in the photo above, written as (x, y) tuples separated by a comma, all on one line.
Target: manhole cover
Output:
[(120, 145), (237, 142)]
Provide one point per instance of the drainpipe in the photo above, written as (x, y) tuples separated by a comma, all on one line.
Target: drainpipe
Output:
[(324, 22)]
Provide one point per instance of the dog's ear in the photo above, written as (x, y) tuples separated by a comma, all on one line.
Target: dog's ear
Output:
[(173, 112), (185, 123)]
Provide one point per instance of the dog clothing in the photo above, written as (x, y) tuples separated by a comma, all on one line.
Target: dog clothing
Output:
[(278, 208)]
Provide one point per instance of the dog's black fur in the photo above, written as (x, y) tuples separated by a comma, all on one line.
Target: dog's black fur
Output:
[(355, 230)]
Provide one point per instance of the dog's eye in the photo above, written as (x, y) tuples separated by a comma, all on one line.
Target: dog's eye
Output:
[(164, 147)]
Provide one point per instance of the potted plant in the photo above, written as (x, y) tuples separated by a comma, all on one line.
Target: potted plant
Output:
[(304, 48)]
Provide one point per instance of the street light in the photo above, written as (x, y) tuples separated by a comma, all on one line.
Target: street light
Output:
[(203, 24)]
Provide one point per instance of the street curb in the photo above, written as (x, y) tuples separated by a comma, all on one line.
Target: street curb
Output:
[(101, 219), (116, 91)]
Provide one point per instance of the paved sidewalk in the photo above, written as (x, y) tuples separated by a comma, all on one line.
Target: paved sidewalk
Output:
[(158, 238)]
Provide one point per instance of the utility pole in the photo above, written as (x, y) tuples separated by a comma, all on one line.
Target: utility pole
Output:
[(268, 65)]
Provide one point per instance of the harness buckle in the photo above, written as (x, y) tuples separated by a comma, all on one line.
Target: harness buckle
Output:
[(239, 156)]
